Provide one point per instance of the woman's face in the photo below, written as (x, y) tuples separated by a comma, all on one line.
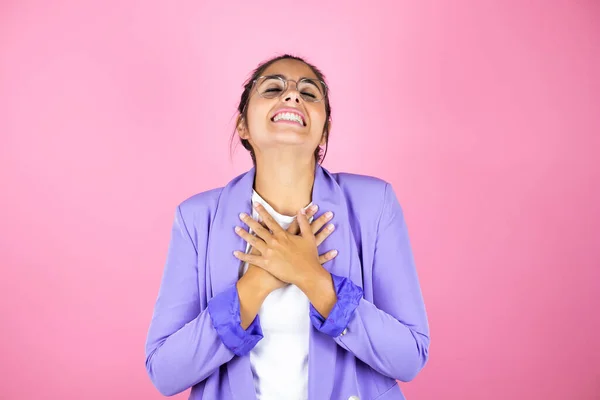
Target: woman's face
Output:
[(286, 119)]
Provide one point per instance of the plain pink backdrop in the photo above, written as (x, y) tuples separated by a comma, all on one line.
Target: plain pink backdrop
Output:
[(484, 115)]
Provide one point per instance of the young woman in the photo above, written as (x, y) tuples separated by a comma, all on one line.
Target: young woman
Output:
[(290, 282)]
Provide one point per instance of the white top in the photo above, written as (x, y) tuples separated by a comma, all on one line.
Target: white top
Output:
[(280, 359)]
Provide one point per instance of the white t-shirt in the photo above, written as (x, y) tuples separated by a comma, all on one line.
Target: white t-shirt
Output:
[(280, 359)]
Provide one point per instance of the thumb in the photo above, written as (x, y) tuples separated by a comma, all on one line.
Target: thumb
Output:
[(293, 228), (303, 223)]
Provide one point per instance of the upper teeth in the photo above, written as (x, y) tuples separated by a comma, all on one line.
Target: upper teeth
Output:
[(289, 117)]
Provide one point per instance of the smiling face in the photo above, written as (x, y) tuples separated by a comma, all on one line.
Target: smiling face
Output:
[(277, 118)]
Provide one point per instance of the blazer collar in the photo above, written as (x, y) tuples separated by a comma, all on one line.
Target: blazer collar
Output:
[(223, 268)]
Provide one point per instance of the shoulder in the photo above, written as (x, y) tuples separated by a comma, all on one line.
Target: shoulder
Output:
[(200, 204), (368, 196), (354, 183)]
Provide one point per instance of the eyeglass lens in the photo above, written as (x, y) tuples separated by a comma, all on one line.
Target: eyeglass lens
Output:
[(271, 87)]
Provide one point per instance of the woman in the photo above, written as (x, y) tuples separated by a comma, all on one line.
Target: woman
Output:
[(306, 311)]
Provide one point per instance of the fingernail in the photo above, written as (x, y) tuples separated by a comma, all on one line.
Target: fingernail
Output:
[(243, 216), (302, 211), (313, 207), (235, 253), (257, 206), (334, 253), (328, 214), (237, 229), (330, 227)]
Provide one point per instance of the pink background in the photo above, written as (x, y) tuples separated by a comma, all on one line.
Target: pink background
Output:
[(484, 115)]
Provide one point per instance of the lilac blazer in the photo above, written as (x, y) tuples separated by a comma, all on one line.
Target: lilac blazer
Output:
[(377, 332)]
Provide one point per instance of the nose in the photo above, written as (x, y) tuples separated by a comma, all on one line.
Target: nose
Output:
[(292, 94), (292, 97)]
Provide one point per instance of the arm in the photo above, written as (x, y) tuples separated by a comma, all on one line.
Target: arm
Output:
[(252, 294), (186, 343), (391, 334)]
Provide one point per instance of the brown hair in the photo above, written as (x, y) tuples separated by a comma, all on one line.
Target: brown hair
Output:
[(242, 109)]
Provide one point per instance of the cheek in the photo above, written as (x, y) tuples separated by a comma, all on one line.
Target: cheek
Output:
[(317, 119), (257, 117)]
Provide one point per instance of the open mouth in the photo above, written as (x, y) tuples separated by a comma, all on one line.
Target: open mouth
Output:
[(290, 118)]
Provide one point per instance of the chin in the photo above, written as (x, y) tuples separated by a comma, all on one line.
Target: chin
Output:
[(290, 134), (281, 138)]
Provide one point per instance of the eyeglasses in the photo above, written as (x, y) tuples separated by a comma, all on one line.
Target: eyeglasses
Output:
[(273, 86)]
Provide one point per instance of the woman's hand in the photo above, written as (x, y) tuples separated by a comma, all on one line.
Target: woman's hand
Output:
[(288, 257), (263, 281)]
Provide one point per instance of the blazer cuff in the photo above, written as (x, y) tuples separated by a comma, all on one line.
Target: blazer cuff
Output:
[(224, 310), (348, 298)]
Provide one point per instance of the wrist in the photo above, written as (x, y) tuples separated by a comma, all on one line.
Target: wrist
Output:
[(320, 290), (252, 284), (315, 280)]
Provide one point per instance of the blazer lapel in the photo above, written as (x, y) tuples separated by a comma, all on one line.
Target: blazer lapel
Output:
[(223, 267), (329, 196)]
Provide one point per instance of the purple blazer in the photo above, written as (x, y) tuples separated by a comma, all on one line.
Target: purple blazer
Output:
[(377, 332)]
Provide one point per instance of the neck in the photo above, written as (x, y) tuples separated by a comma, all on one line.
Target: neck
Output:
[(285, 185)]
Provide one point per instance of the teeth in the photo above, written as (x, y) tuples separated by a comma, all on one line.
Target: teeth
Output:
[(289, 117)]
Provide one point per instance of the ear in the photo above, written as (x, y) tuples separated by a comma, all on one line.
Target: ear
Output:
[(325, 134), (323, 140), (241, 127)]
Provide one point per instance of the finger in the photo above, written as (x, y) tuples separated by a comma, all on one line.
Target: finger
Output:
[(249, 258), (310, 212), (293, 229), (330, 255), (305, 229), (325, 232), (253, 240), (267, 219), (322, 220), (256, 227), (254, 250)]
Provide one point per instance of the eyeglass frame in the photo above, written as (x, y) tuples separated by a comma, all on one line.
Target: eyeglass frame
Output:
[(286, 85)]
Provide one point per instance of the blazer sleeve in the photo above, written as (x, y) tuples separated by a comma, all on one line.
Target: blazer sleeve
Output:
[(390, 334), (187, 343)]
